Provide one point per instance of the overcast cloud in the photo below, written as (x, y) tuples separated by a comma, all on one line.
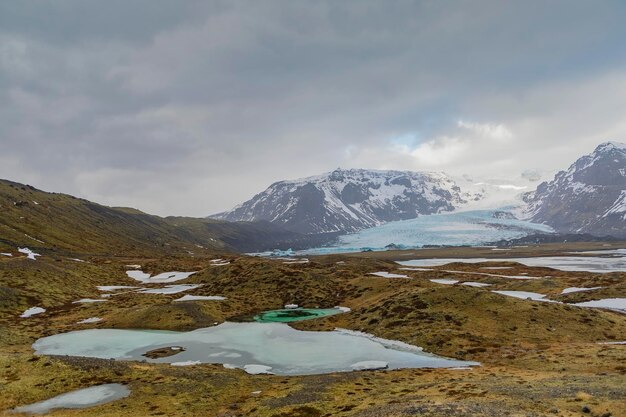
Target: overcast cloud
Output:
[(188, 108)]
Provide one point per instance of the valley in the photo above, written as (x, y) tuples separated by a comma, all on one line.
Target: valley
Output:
[(536, 357)]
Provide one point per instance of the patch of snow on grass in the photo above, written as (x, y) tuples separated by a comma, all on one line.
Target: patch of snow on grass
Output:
[(32, 312), (475, 284), (82, 398), (384, 274), (6, 254), (29, 253), (114, 287), (170, 289), (578, 289), (296, 261), (445, 281), (201, 298), (525, 295), (162, 278), (89, 300), (89, 320)]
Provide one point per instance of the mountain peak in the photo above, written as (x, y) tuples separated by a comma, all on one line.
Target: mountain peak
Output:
[(347, 200), (588, 197), (610, 145)]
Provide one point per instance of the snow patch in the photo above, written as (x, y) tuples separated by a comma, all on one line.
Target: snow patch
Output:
[(384, 274), (89, 320), (29, 253), (445, 281), (32, 312), (200, 298), (162, 278), (578, 289)]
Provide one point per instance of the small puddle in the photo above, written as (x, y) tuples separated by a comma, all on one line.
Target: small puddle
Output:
[(298, 314), (82, 398)]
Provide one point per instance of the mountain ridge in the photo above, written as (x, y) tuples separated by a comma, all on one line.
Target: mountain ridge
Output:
[(350, 200), (588, 197), (66, 224)]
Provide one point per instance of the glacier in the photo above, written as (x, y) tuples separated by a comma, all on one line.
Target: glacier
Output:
[(465, 228)]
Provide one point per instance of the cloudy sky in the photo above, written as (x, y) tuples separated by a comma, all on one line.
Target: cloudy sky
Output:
[(187, 108)]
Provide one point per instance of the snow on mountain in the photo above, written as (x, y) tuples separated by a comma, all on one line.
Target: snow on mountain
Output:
[(590, 197), (351, 200)]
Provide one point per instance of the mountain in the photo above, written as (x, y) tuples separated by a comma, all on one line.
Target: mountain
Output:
[(350, 200), (50, 221), (590, 197)]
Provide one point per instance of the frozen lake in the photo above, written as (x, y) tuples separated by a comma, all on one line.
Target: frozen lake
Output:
[(273, 347), (597, 264), (472, 228)]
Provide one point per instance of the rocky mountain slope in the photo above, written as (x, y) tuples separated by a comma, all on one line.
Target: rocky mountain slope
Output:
[(590, 197), (350, 200), (50, 221)]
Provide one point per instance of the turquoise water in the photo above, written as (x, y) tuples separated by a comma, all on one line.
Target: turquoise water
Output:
[(297, 314), (471, 228), (274, 346)]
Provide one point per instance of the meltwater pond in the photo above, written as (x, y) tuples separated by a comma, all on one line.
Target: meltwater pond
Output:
[(277, 347), (82, 398), (289, 315)]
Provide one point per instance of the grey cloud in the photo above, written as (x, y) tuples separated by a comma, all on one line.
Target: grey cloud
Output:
[(132, 102)]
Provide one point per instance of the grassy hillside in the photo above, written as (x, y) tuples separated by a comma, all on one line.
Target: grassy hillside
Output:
[(50, 221)]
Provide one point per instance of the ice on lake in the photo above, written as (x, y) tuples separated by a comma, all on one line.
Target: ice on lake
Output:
[(578, 289), (82, 398), (597, 264), (285, 350), (617, 304), (525, 295)]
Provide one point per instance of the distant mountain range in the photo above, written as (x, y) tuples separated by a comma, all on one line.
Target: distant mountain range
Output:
[(590, 197), (351, 200)]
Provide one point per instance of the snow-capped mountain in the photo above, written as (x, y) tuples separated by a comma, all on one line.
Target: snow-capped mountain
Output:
[(590, 197), (350, 200)]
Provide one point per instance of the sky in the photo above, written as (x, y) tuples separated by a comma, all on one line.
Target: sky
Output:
[(191, 107)]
